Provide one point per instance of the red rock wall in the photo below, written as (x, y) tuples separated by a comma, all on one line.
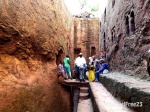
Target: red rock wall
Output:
[(127, 48), (31, 35), (86, 36)]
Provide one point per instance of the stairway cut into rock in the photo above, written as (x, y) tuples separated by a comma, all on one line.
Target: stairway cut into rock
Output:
[(85, 103)]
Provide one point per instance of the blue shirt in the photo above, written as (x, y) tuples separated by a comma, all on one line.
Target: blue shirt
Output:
[(104, 66)]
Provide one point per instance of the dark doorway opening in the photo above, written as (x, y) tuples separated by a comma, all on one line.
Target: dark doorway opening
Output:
[(59, 56), (104, 41), (112, 37), (127, 26), (76, 52), (105, 15), (113, 3), (132, 23), (93, 51)]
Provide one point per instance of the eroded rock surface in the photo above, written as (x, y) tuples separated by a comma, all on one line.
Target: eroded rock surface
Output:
[(86, 37), (125, 29), (31, 35), (132, 91)]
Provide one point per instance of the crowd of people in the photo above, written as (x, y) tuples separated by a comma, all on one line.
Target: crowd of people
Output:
[(83, 70)]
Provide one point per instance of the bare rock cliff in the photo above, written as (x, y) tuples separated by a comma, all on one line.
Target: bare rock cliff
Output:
[(31, 35)]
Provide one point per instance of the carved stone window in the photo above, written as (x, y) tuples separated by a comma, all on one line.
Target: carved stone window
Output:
[(104, 42), (100, 26), (113, 36), (113, 3), (127, 26), (105, 15), (132, 22)]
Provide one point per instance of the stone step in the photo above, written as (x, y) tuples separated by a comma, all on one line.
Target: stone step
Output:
[(132, 91), (85, 106), (84, 96), (103, 101), (84, 90)]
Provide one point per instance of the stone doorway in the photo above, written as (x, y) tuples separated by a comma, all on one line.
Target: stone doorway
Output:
[(59, 56), (76, 52), (93, 51)]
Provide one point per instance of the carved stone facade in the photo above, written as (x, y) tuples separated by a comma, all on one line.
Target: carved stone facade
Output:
[(86, 37), (125, 35)]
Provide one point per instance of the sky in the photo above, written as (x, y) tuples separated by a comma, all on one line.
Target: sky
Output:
[(74, 6)]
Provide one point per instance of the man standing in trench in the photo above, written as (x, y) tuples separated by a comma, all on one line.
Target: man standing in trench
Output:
[(81, 63), (66, 63)]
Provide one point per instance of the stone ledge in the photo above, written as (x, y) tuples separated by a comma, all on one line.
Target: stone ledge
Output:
[(128, 89), (73, 83), (103, 101)]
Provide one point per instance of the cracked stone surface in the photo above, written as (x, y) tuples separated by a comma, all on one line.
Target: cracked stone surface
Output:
[(128, 89)]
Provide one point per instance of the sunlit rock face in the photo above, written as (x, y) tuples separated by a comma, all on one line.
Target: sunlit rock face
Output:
[(32, 33), (126, 28), (86, 37)]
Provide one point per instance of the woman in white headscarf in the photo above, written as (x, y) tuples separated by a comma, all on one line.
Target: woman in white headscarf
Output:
[(90, 60)]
